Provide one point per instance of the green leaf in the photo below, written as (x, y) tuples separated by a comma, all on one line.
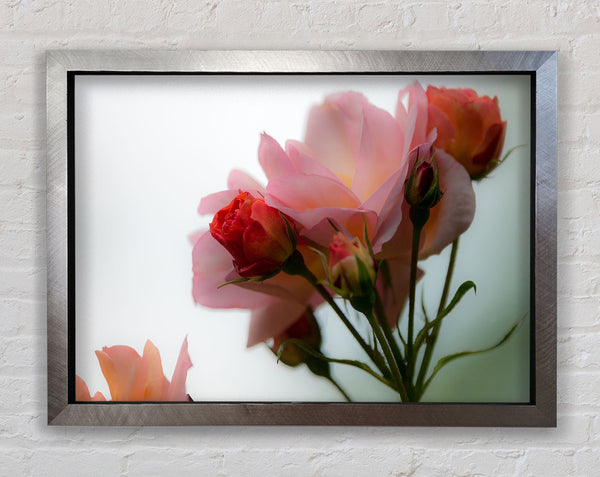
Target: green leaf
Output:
[(290, 231), (423, 309), (447, 359), (364, 278), (421, 336), (510, 151), (367, 241), (349, 362), (401, 338), (323, 259), (239, 280), (335, 289), (257, 279), (464, 288)]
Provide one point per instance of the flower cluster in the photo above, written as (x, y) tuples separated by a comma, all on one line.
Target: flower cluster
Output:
[(349, 211)]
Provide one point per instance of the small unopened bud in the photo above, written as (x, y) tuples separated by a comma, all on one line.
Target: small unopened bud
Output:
[(351, 266), (305, 328), (422, 189)]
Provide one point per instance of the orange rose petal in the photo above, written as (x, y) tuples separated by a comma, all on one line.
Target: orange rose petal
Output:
[(124, 372), (492, 144), (445, 130), (82, 393), (156, 383)]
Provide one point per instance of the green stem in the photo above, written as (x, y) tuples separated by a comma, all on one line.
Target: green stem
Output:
[(295, 266), (411, 304), (375, 356), (449, 274), (388, 354), (339, 388), (385, 325), (436, 329)]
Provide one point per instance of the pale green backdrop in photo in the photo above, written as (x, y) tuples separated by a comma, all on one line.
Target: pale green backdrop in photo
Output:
[(149, 148)]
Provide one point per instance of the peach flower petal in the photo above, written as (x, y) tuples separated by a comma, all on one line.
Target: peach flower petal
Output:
[(156, 384), (82, 393), (125, 372)]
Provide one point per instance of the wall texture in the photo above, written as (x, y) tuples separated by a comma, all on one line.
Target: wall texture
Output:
[(29, 27)]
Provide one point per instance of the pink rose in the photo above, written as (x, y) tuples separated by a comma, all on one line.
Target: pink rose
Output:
[(350, 170)]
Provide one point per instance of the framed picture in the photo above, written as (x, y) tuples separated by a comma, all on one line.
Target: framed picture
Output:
[(301, 238)]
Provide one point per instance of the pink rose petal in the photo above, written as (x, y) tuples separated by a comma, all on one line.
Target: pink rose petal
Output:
[(305, 192), (381, 151), (303, 160), (212, 203), (176, 390), (240, 180), (211, 264), (455, 212), (333, 133), (273, 158)]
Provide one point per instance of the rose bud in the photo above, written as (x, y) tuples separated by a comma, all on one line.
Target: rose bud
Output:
[(306, 329), (469, 127), (351, 266), (255, 235), (422, 188)]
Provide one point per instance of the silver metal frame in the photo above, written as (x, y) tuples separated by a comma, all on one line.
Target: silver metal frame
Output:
[(541, 412)]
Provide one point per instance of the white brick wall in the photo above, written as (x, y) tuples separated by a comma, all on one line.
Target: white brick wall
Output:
[(29, 27)]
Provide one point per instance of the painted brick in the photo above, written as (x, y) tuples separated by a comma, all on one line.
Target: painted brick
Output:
[(28, 28), (90, 462), (548, 462)]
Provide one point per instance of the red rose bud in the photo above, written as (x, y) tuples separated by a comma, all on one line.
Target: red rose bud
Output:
[(306, 329), (422, 188), (255, 235), (351, 266), (469, 127)]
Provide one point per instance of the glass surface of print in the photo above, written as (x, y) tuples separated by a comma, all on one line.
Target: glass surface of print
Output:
[(360, 238)]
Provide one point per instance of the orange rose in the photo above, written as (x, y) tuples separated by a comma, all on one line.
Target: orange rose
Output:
[(255, 235), (469, 127), (132, 377)]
